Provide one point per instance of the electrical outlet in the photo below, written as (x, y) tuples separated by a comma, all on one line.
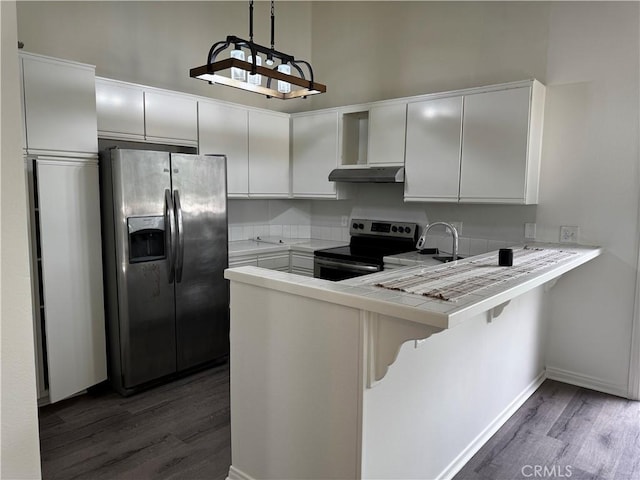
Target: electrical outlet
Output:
[(569, 234), (530, 231), (344, 220)]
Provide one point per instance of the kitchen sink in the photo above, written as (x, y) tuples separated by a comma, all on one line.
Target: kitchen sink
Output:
[(446, 258), (435, 254)]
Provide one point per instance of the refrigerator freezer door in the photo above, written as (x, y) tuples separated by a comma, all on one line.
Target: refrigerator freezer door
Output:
[(202, 296), (146, 302)]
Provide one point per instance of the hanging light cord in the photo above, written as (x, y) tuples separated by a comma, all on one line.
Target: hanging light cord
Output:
[(273, 24), (251, 21)]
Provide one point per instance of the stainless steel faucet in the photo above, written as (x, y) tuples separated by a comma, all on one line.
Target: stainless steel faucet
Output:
[(454, 233)]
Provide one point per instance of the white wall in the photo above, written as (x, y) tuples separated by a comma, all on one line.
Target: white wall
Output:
[(590, 179), (20, 450), (157, 42), (587, 54), (366, 51)]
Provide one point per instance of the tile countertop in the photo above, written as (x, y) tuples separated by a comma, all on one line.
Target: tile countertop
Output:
[(361, 293), (279, 244)]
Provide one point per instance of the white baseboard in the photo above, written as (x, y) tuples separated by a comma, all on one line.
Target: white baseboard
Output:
[(476, 444), (461, 460), (235, 474), (587, 381)]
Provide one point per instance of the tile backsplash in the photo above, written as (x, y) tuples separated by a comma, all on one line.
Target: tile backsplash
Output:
[(467, 246), (321, 232)]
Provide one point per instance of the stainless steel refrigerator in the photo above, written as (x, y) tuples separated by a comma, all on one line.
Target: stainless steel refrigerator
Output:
[(165, 251)]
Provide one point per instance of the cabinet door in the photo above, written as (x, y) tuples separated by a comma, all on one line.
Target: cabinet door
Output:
[(302, 263), (276, 261), (224, 129), (171, 117), (120, 110), (432, 163), (60, 105), (387, 128), (315, 154), (269, 171), (71, 275), (494, 146)]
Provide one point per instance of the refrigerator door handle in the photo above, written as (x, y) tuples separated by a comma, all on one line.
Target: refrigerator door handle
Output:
[(180, 235), (170, 239)]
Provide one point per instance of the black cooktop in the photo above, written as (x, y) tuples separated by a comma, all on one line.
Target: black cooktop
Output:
[(363, 253), (371, 240)]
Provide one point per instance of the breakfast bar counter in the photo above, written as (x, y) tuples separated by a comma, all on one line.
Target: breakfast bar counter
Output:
[(398, 374)]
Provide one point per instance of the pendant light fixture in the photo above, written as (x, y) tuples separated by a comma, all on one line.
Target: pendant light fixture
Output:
[(283, 76)]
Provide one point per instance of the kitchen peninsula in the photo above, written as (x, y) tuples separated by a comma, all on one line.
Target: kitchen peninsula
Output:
[(365, 378)]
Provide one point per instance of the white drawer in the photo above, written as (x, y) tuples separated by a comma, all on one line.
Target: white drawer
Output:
[(253, 262), (278, 262), (302, 261)]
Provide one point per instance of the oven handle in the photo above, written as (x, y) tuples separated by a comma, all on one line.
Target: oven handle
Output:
[(349, 267)]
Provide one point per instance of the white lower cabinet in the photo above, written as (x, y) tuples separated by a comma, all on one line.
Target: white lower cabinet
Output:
[(299, 262), (68, 254), (274, 261), (244, 261), (302, 263)]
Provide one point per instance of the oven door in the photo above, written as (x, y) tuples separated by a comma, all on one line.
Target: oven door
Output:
[(329, 269)]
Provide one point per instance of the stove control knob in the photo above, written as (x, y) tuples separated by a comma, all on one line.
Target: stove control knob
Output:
[(360, 226), (355, 226), (407, 229), (401, 229), (394, 229)]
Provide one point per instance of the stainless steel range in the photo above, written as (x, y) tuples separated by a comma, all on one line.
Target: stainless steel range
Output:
[(371, 240)]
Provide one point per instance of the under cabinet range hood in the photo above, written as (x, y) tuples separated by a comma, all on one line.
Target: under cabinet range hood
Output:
[(393, 174)]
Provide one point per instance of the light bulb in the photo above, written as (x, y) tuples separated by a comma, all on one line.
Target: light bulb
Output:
[(238, 73), (284, 87), (257, 78)]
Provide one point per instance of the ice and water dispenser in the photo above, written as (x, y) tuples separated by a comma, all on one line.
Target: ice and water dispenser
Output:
[(146, 239)]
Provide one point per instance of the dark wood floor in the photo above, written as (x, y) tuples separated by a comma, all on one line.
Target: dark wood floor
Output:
[(178, 430), (181, 431), (563, 432)]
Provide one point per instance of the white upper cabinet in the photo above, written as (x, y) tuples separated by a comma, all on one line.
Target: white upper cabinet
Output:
[(269, 171), (134, 112), (120, 109), (224, 129), (432, 166), (59, 105), (498, 161), (387, 126), (170, 116), (315, 154), (477, 147)]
